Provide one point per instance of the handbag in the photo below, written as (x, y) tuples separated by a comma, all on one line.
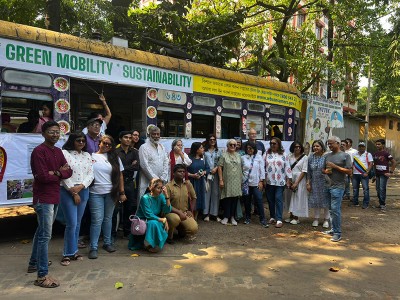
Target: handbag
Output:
[(138, 226), (245, 185)]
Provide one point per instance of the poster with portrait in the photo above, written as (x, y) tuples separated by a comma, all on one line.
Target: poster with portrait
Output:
[(321, 117)]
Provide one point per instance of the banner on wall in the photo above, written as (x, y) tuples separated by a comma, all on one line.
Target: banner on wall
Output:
[(17, 184), (322, 115)]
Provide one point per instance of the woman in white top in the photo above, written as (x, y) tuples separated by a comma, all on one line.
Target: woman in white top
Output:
[(178, 157), (108, 188), (75, 193), (253, 177), (299, 196)]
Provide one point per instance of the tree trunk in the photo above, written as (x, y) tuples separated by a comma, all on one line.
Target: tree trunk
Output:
[(53, 17)]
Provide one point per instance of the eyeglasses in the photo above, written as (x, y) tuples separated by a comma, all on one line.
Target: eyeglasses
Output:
[(273, 143), (95, 125), (297, 147), (53, 132), (109, 145), (232, 145), (80, 141)]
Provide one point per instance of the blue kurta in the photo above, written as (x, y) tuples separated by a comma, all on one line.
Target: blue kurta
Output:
[(150, 208), (199, 184)]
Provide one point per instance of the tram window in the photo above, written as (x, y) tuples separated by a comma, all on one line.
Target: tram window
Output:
[(171, 123), (27, 78), (256, 122), (276, 126), (202, 124), (230, 126), (231, 104), (256, 107), (205, 101), (277, 110)]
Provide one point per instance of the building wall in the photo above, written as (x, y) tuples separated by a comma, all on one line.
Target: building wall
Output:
[(351, 130)]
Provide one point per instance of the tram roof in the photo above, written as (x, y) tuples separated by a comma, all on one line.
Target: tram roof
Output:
[(66, 41)]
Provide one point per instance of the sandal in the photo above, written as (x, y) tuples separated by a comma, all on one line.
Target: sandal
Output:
[(65, 261), (47, 282), (81, 244), (33, 269), (76, 257)]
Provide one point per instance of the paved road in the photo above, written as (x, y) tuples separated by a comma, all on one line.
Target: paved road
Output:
[(224, 262)]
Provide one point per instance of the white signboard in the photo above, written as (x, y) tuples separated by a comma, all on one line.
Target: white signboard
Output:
[(322, 115), (38, 58)]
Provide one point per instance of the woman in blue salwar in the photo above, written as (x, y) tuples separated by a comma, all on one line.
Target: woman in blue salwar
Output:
[(152, 207)]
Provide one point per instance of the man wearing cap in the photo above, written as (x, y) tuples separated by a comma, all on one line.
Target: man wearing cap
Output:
[(93, 135), (95, 115), (362, 164)]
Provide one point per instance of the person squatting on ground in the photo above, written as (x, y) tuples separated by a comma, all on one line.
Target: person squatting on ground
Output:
[(49, 167), (278, 174), (337, 165), (230, 181), (384, 168), (315, 184), (152, 207), (75, 193), (108, 189), (181, 217), (253, 176)]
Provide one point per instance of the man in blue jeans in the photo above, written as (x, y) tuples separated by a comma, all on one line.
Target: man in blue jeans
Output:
[(337, 166), (384, 168), (362, 164), (48, 166)]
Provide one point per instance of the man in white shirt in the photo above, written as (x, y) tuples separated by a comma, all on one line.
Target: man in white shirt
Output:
[(362, 164), (350, 151), (106, 119), (154, 161)]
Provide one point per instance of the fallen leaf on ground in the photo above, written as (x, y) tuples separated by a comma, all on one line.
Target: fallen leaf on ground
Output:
[(25, 241), (177, 266), (334, 269), (135, 255), (119, 285)]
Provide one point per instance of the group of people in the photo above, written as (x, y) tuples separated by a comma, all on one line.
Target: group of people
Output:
[(171, 191)]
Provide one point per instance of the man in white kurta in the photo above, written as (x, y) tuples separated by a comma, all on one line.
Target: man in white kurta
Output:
[(154, 161)]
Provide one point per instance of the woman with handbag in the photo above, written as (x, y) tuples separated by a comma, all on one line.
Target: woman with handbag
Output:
[(75, 193), (298, 192), (278, 174), (197, 172), (253, 177), (151, 207), (108, 188), (230, 181), (211, 156)]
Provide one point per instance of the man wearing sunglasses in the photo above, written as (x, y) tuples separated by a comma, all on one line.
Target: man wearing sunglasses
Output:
[(93, 135)]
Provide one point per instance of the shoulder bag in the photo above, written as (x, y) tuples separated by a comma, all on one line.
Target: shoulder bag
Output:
[(138, 226)]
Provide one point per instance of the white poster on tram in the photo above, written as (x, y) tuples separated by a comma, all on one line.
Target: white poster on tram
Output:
[(322, 115)]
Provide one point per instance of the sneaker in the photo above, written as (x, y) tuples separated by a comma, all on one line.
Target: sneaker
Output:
[(288, 220), (336, 238), (224, 221), (326, 224), (382, 207), (351, 204), (272, 221), (109, 248), (295, 222), (315, 223), (207, 219), (246, 222), (93, 254), (264, 224), (218, 219), (328, 232), (278, 224), (364, 206), (233, 221)]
